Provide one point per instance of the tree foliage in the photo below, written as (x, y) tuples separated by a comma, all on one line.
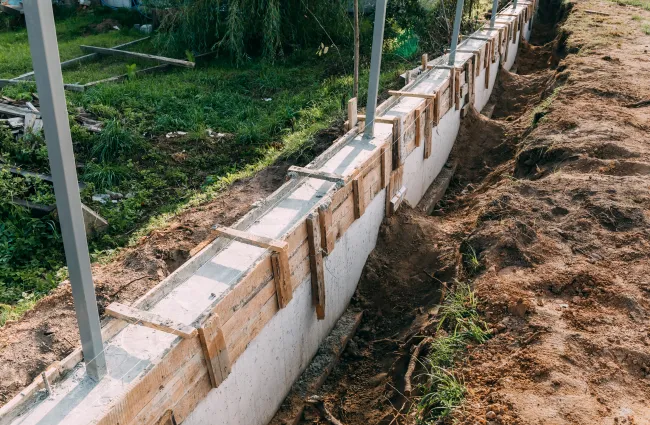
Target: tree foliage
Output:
[(244, 28)]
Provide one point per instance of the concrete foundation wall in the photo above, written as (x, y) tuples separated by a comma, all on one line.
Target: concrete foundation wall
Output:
[(277, 357), (270, 345)]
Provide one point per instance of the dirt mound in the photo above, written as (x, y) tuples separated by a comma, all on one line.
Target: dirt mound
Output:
[(548, 218)]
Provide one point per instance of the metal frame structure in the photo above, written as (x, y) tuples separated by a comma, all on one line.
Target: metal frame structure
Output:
[(375, 67), (41, 31)]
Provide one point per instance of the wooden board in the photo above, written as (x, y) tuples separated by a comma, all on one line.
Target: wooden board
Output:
[(393, 187), (316, 174), (316, 265), (428, 130), (214, 350), (327, 231), (155, 380), (251, 239), (135, 55), (149, 320), (282, 277), (358, 190), (258, 276)]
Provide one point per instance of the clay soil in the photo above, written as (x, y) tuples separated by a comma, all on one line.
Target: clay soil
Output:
[(552, 195)]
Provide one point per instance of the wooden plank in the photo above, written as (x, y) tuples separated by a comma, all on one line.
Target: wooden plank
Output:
[(396, 143), (135, 55), (80, 59), (151, 382), (253, 327), (379, 120), (282, 277), (317, 174), (245, 290), (428, 130), (296, 236), (393, 187), (328, 232), (359, 205), (150, 320), (419, 124), (352, 113), (397, 199), (183, 380), (214, 349), (343, 216), (372, 184), (457, 90), (411, 94), (316, 265), (251, 239)]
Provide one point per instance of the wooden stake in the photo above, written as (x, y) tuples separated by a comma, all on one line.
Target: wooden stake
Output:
[(428, 129), (316, 265), (328, 238), (282, 277), (425, 61), (352, 113), (359, 205), (214, 349), (397, 143)]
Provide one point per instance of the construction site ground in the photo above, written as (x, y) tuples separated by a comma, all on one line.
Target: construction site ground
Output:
[(547, 219), (550, 197)]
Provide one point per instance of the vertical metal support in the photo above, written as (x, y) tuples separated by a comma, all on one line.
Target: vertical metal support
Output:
[(375, 67), (454, 37), (49, 81), (495, 5), (514, 5)]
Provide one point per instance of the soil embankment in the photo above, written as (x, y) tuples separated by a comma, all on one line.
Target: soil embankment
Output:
[(547, 218)]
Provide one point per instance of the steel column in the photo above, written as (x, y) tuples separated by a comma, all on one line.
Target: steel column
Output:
[(454, 37), (495, 5), (49, 81), (375, 67)]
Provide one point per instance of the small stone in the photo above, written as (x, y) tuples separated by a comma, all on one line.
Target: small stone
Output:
[(490, 415)]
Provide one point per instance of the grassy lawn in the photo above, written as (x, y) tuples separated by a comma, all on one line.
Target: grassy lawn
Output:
[(263, 112)]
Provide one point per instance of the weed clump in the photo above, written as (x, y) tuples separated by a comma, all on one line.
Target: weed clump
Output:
[(459, 325)]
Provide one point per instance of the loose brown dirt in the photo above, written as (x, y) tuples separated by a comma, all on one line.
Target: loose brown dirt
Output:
[(49, 332), (552, 195)]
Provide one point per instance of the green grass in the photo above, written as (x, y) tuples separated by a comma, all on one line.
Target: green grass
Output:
[(646, 29), (443, 390), (158, 176), (15, 58)]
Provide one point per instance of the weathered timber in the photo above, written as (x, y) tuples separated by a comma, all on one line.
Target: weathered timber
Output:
[(136, 55), (150, 320)]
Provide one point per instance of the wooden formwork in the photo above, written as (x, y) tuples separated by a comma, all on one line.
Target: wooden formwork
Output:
[(200, 361)]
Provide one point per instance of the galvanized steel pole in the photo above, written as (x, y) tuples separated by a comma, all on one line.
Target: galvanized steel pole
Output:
[(495, 5), (375, 67), (49, 81), (454, 37)]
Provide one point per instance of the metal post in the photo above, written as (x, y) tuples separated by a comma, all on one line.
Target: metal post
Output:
[(495, 5), (514, 5), (454, 37), (375, 65), (39, 18)]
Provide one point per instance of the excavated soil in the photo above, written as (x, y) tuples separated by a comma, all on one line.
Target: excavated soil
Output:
[(553, 196), (49, 332)]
